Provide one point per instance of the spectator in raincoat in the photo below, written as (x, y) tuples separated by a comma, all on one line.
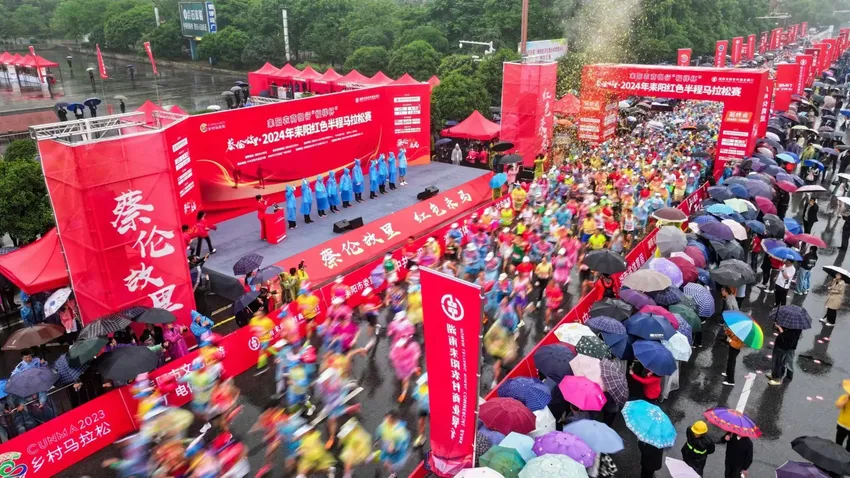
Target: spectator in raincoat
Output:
[(402, 166), (358, 181), (373, 179), (306, 201), (383, 172), (333, 192), (321, 196), (201, 324), (345, 188), (393, 172), (290, 207)]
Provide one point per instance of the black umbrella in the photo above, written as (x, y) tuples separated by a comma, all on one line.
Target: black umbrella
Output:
[(134, 312), (247, 263), (510, 159), (31, 381), (614, 308), (61, 104), (701, 154), (240, 83), (104, 326), (824, 454), (727, 277), (443, 141), (267, 273), (125, 363), (34, 336), (728, 250), (245, 300), (84, 351), (605, 261), (92, 102), (156, 316), (774, 226), (502, 146)]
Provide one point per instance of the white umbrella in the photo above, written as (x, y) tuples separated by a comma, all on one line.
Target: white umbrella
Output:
[(737, 230), (838, 270), (589, 368), (740, 205), (680, 469), (624, 104), (845, 200), (678, 346), (812, 188), (56, 301), (772, 136), (213, 108), (481, 472), (544, 424), (573, 332), (766, 152), (683, 256), (843, 176)]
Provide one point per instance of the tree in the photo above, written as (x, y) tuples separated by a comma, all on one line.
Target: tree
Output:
[(29, 21), (429, 34), (77, 18), (490, 72), (166, 40), (226, 45), (370, 37), (327, 32), (456, 97), (463, 64), (368, 60), (235, 13), (418, 59), (25, 211), (20, 149), (125, 31), (261, 49)]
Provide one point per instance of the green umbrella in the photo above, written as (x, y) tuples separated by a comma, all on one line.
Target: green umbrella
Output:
[(688, 314), (85, 350), (592, 347), (506, 461), (553, 466)]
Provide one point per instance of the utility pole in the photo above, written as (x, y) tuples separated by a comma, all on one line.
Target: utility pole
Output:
[(286, 35), (524, 35)]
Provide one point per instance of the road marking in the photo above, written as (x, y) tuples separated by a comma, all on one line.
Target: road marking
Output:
[(745, 393)]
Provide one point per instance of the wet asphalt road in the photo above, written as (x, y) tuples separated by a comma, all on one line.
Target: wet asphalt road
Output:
[(802, 407)]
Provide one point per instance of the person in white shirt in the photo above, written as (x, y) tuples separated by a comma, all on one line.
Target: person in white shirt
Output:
[(783, 282), (457, 155)]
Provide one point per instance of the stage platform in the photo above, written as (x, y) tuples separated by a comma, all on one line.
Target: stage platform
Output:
[(241, 235)]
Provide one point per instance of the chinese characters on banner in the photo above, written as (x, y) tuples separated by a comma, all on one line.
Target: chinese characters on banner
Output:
[(751, 47), (737, 44), (528, 97), (452, 309), (763, 43), (803, 72), (720, 49), (813, 67), (804, 29), (684, 57), (786, 83)]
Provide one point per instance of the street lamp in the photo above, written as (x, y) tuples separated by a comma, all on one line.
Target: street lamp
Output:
[(487, 44)]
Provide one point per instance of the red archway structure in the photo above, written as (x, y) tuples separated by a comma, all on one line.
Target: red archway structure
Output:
[(745, 94)]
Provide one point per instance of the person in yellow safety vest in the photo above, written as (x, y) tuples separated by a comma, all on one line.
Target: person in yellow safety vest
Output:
[(699, 445), (262, 328), (507, 216), (518, 196)]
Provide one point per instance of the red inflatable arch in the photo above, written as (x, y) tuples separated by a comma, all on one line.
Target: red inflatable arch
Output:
[(745, 95)]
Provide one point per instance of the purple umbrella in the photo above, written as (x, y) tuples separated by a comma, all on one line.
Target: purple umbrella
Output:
[(636, 298), (606, 324), (717, 231), (799, 469), (563, 443), (759, 188), (669, 269)]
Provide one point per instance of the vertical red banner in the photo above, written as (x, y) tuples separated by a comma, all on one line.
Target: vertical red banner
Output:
[(528, 97), (763, 108), (805, 70), (720, 49), (831, 49), (452, 309), (823, 58), (813, 67), (150, 57), (804, 29), (37, 66), (100, 64), (786, 78), (737, 44), (684, 57), (763, 43), (751, 47)]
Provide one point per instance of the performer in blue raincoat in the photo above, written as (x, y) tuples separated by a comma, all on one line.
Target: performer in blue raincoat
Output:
[(359, 184), (290, 207), (321, 196), (393, 172), (333, 192), (345, 188), (402, 166), (383, 172), (306, 201), (373, 179)]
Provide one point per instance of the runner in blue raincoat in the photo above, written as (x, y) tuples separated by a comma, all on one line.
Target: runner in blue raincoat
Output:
[(393, 172), (383, 172), (373, 179), (290, 207), (402, 166), (358, 181), (345, 188), (306, 201), (321, 196), (333, 192)]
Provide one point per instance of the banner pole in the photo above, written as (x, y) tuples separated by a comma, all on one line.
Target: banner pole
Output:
[(156, 87)]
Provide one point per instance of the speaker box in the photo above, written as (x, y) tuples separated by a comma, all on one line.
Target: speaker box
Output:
[(428, 193), (355, 223), (342, 226)]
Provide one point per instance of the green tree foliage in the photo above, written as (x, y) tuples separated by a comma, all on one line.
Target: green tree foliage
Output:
[(327, 32), (261, 49), (20, 149), (457, 97), (226, 45), (25, 211), (166, 40), (490, 72), (77, 18), (368, 60), (418, 58), (370, 37), (429, 34), (125, 31)]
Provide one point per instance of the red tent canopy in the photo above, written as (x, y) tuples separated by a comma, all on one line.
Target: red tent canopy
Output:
[(259, 80), (569, 104), (26, 61), (37, 267), (177, 109), (16, 60), (434, 82), (5, 58), (353, 79), (379, 79), (45, 63), (327, 82), (405, 79), (267, 69), (148, 107), (308, 74), (475, 127), (285, 73)]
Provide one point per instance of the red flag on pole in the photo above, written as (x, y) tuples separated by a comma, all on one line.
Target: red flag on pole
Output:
[(100, 64), (150, 57), (35, 59)]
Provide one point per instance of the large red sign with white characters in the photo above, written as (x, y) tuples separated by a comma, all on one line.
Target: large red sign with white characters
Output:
[(528, 98)]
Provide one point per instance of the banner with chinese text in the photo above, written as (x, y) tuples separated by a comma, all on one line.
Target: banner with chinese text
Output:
[(453, 310), (763, 43), (803, 73), (720, 49), (528, 97), (737, 44), (684, 57), (751, 47), (786, 83)]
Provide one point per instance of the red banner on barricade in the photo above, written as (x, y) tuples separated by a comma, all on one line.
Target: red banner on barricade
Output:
[(528, 97), (720, 50), (684, 57), (453, 310)]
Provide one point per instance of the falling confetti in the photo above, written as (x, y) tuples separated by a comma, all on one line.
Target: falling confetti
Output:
[(817, 361), (770, 356), (818, 397)]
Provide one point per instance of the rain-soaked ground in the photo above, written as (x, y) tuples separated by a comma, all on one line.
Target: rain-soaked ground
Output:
[(192, 90), (802, 407)]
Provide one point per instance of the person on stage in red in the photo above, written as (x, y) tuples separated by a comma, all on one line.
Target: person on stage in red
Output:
[(262, 204), (202, 230), (188, 236)]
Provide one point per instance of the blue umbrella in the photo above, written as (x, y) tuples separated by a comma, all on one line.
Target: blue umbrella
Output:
[(787, 158), (769, 244), (773, 170), (755, 226), (619, 345), (76, 106), (705, 278), (703, 299), (649, 327), (668, 296), (717, 231), (530, 391), (606, 324), (739, 191), (791, 178), (720, 209), (3, 393), (92, 101), (704, 219), (553, 361), (750, 215), (767, 161), (655, 356), (599, 437), (845, 113), (785, 253), (443, 141), (792, 225), (734, 180), (649, 423), (721, 193), (498, 180), (521, 443), (810, 163), (737, 217)]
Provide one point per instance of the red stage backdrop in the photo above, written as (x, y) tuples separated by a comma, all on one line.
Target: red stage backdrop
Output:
[(452, 309), (751, 47), (737, 44), (803, 72), (720, 49), (684, 57), (116, 207), (528, 95), (737, 89), (786, 83), (261, 149)]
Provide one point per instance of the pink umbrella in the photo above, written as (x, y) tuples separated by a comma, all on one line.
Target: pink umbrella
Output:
[(657, 309), (765, 205), (786, 186), (809, 239), (581, 392), (506, 415), (696, 254), (563, 443), (689, 270)]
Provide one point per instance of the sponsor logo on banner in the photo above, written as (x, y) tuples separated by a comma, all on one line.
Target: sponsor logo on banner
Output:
[(546, 50)]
